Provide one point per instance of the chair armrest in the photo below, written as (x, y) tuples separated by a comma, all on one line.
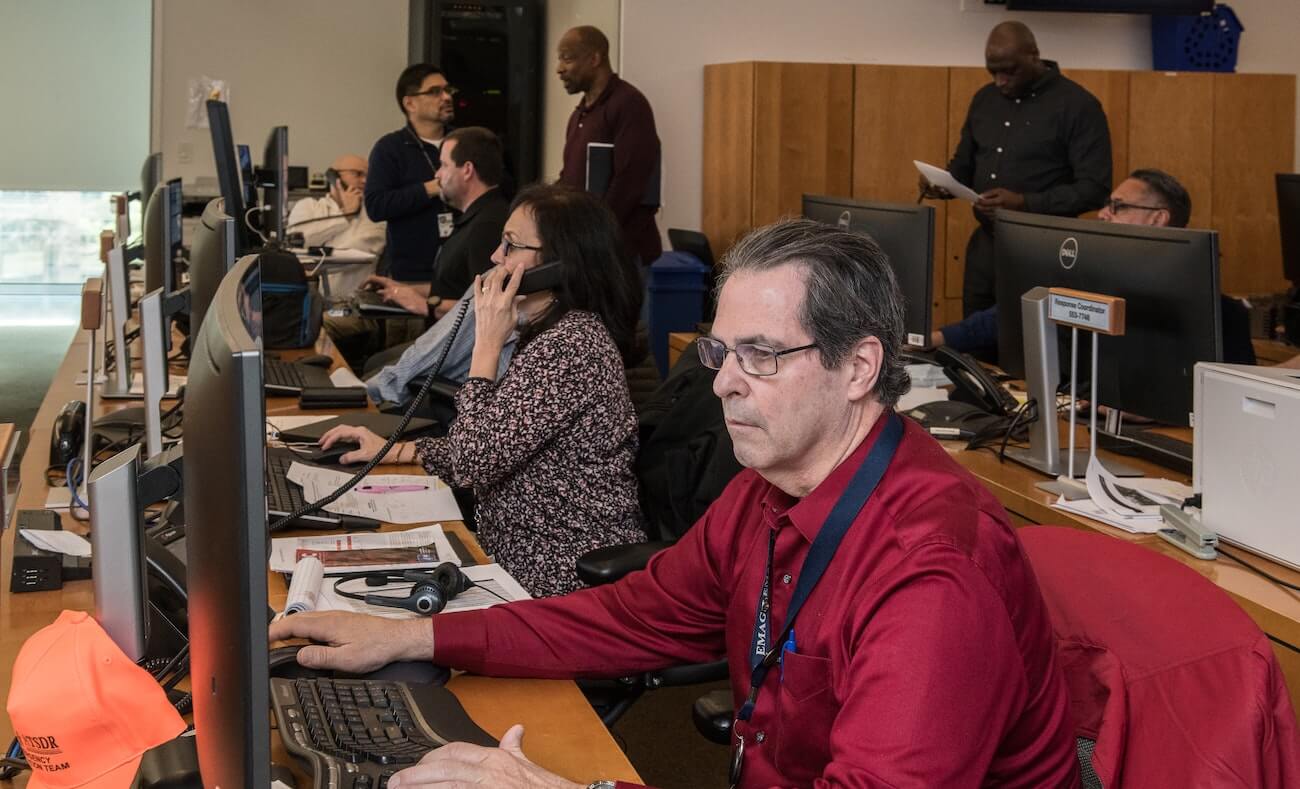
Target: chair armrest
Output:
[(675, 676), (607, 565)]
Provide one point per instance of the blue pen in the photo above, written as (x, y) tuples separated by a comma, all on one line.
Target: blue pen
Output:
[(788, 646)]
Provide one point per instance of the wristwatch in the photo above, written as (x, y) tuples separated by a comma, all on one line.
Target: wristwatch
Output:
[(603, 784), (433, 302)]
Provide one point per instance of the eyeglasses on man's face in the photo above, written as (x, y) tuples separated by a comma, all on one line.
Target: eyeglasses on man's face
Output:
[(508, 246), (753, 358), (437, 91), (1115, 206)]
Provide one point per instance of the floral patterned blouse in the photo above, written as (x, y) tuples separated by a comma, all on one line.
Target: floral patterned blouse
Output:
[(548, 450)]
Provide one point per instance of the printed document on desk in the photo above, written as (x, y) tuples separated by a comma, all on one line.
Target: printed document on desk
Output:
[(943, 179), (423, 546), (395, 498)]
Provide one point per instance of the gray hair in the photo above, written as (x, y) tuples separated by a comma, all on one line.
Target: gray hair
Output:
[(850, 294)]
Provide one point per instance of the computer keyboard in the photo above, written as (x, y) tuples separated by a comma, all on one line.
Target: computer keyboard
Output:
[(284, 497), (354, 733), (369, 301), (291, 378)]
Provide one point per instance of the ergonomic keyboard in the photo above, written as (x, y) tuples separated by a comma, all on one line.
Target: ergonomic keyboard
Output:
[(355, 733), (290, 378), (284, 497)]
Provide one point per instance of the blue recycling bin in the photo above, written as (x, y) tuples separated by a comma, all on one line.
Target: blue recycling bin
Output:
[(675, 300)]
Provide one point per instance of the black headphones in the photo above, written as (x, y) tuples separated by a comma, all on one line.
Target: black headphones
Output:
[(430, 592)]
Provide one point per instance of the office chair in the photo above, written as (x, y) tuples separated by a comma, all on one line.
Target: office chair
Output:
[(685, 461), (1170, 682)]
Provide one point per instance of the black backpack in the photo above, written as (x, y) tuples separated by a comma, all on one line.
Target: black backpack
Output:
[(291, 306), (686, 457)]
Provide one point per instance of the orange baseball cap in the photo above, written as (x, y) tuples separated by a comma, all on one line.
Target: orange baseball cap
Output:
[(85, 713)]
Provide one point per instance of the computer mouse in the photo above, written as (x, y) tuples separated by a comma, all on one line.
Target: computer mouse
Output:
[(283, 662), (337, 450), (317, 360)]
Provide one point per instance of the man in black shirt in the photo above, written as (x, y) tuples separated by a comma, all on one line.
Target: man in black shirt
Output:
[(1033, 141), (470, 173)]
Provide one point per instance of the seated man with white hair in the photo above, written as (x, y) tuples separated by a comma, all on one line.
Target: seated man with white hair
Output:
[(339, 220)]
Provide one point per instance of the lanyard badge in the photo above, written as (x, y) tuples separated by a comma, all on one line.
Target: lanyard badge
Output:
[(766, 651)]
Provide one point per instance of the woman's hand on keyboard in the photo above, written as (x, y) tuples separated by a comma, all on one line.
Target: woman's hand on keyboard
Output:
[(355, 643), (369, 443)]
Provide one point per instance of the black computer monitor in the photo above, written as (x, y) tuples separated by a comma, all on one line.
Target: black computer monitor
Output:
[(234, 188), (1288, 221), (162, 237), (246, 175), (150, 176), (226, 536), (906, 234), (1168, 277), (275, 183), (212, 254)]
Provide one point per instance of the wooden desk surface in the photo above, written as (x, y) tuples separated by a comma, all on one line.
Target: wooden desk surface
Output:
[(563, 732)]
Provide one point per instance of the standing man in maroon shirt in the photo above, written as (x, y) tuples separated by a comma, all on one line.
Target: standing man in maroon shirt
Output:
[(612, 111), (923, 655)]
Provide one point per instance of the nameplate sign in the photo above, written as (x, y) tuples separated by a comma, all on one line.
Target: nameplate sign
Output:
[(1092, 311)]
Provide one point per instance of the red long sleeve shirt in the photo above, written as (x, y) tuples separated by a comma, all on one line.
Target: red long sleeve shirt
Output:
[(924, 656)]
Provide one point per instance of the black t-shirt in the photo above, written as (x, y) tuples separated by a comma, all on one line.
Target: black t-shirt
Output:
[(468, 250)]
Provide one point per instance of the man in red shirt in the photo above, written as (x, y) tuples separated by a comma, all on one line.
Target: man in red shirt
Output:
[(923, 654), (612, 111)]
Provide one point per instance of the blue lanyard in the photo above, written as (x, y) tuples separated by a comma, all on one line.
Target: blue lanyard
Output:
[(764, 652)]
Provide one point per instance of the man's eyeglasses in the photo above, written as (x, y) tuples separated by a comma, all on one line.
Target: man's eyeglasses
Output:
[(754, 359), (437, 91), (1117, 206), (509, 246)]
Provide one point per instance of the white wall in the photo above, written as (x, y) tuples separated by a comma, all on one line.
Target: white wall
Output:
[(324, 68), (75, 82), (666, 43)]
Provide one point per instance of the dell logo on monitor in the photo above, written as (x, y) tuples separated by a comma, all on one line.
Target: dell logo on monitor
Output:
[(845, 216), (1069, 252)]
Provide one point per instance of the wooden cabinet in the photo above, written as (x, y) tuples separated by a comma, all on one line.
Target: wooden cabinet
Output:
[(774, 131)]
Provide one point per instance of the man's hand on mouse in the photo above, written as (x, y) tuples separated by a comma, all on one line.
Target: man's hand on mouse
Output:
[(355, 643)]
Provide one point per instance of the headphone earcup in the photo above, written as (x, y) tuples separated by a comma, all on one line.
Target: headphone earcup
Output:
[(426, 598), (451, 579)]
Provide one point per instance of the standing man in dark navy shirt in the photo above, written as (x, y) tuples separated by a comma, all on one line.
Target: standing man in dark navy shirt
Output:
[(402, 186), (1033, 141), (612, 111)]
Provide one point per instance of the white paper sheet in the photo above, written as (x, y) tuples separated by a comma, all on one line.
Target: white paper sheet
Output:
[(56, 541), (920, 395), (493, 584), (344, 376), (943, 179), (336, 255), (1088, 509), (394, 498), (419, 547), (928, 375)]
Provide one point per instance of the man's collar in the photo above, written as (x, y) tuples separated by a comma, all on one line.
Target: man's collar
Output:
[(604, 94), (1052, 73), (809, 513), (493, 192)]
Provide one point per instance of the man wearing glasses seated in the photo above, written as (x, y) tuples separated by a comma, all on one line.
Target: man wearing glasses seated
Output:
[(339, 220), (880, 620), (1146, 197)]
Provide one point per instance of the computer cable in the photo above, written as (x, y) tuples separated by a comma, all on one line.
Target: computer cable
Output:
[(1025, 408), (253, 228), (319, 219), (397, 431), (1257, 570)]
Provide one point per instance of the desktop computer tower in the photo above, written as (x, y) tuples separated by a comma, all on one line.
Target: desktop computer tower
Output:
[(491, 51)]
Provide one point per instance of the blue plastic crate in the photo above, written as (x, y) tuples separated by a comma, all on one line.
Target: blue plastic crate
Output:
[(1205, 42)]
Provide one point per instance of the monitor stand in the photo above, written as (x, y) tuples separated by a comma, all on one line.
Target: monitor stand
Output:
[(1042, 374)]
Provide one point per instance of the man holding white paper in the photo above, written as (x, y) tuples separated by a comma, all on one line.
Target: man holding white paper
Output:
[(1033, 141)]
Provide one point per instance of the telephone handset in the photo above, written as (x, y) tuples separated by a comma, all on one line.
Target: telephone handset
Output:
[(974, 385), (68, 433), (547, 276), (331, 178)]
